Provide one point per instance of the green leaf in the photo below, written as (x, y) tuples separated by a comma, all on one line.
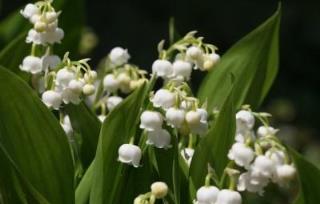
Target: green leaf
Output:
[(213, 149), (109, 174), (84, 187), (33, 142), (309, 178), (88, 126), (254, 63)]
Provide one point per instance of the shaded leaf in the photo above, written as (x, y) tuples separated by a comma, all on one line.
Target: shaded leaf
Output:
[(213, 149), (33, 141), (121, 124)]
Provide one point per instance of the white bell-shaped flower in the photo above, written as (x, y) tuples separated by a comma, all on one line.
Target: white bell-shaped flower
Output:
[(35, 37), (266, 131), (51, 16), (243, 135), (31, 64), (76, 85), (226, 196), (182, 69), (54, 36), (277, 156), (245, 120), (113, 101), (163, 98), (66, 125), (124, 82), (50, 61), (241, 154), (210, 60), (194, 53), (203, 115), (193, 118), (162, 68), (252, 182), (130, 154), (159, 189), (64, 76), (30, 10), (119, 56), (52, 99), (187, 154), (175, 117), (110, 83), (284, 174), (151, 120), (69, 96), (196, 121), (207, 195), (159, 138), (263, 166)]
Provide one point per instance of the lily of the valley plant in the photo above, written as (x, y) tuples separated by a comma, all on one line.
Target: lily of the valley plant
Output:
[(73, 133)]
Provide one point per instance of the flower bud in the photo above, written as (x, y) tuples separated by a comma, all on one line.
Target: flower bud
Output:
[(124, 82), (163, 98), (210, 61), (113, 101), (66, 125), (193, 118), (187, 154), (90, 76), (241, 154), (159, 138), (88, 89), (136, 83), (162, 68), (110, 83), (229, 197), (102, 118), (151, 120), (31, 64), (264, 131), (40, 26), (130, 154), (175, 117), (159, 189), (52, 99), (119, 56), (207, 195), (182, 68)]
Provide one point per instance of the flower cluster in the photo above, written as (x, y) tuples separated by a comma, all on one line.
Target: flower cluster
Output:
[(192, 54), (43, 35), (59, 81), (261, 156), (120, 77), (68, 83), (159, 190), (44, 18), (173, 106)]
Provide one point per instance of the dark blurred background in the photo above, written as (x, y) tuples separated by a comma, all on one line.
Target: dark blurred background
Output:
[(139, 25)]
